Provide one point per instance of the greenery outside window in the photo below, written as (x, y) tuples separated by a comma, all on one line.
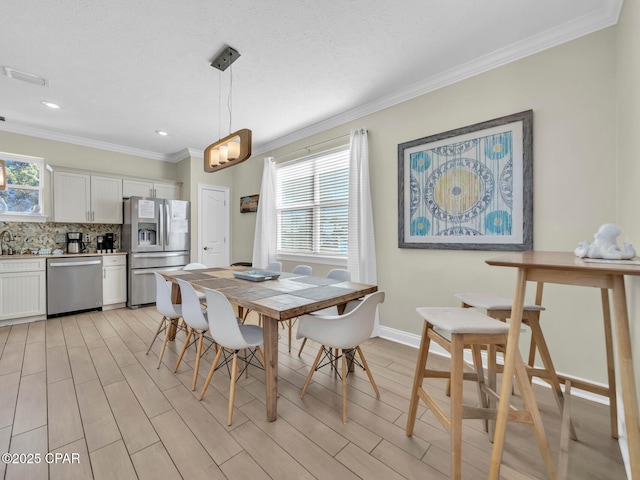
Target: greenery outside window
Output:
[(22, 200), (312, 202)]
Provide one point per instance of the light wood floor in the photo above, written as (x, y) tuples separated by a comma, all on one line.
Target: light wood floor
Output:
[(83, 385)]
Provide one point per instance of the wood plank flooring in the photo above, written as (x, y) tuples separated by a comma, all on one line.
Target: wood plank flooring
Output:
[(83, 385)]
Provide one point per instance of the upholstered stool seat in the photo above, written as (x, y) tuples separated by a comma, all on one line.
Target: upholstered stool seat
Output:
[(468, 327)]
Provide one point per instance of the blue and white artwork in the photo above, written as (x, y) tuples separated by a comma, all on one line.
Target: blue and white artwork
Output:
[(466, 189)]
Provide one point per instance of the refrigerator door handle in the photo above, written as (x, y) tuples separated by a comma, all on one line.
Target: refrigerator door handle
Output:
[(161, 220), (168, 220)]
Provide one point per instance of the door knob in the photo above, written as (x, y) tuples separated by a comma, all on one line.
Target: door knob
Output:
[(206, 248)]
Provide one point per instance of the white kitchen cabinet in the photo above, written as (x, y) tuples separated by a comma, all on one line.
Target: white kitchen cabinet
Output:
[(82, 198), (141, 188), (23, 284), (114, 281)]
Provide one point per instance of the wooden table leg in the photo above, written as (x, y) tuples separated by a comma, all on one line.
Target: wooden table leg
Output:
[(507, 375), (514, 365), (611, 369), (270, 332), (176, 299), (627, 378)]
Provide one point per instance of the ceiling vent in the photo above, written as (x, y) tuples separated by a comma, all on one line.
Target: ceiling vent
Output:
[(26, 77)]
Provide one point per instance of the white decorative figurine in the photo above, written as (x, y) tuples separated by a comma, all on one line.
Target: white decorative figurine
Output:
[(605, 245)]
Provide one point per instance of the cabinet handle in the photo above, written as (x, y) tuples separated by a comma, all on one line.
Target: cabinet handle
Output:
[(104, 273)]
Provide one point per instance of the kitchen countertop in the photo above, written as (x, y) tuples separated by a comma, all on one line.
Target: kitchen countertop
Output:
[(30, 255)]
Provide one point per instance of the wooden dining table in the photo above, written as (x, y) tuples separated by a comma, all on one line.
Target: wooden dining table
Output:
[(565, 268), (278, 300)]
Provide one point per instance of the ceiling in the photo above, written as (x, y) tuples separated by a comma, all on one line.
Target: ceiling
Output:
[(122, 69)]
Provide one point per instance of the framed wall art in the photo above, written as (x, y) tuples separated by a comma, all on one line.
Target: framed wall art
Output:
[(249, 203), (469, 188)]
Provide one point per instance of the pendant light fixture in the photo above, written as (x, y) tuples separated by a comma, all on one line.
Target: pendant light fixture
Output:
[(235, 147), (3, 175)]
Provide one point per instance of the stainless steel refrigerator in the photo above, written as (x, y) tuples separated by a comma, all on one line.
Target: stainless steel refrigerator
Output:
[(156, 235)]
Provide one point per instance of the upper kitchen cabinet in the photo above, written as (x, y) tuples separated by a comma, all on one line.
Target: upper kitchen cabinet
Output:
[(140, 188), (82, 198)]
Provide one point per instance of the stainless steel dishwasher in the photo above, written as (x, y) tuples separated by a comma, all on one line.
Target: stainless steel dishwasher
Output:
[(73, 285)]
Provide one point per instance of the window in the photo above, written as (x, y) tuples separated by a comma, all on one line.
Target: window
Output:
[(312, 201), (23, 195)]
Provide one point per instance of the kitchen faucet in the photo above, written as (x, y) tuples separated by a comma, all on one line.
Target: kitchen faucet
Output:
[(6, 230)]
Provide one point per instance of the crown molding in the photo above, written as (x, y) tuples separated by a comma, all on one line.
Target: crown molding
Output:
[(605, 17), (85, 142)]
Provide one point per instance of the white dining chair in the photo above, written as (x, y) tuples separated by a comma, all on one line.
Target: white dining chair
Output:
[(196, 266), (170, 312), (299, 270), (231, 337), (196, 319), (274, 267), (336, 274), (344, 334)]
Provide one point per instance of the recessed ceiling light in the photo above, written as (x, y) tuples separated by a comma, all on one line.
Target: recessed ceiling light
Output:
[(162, 132), (50, 105)]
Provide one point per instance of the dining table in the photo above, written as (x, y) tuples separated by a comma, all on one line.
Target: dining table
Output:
[(566, 269), (275, 299)]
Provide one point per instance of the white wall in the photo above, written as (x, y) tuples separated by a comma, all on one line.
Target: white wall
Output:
[(571, 90)]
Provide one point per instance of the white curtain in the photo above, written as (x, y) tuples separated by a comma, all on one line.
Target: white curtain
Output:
[(361, 253), (264, 242)]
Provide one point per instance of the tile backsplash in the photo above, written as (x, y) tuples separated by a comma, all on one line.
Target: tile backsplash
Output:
[(28, 236)]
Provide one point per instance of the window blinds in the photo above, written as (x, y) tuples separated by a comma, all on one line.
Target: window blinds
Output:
[(312, 204)]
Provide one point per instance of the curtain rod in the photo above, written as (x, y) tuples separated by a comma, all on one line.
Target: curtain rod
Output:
[(308, 147)]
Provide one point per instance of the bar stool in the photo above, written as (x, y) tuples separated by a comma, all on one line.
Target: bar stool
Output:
[(499, 307), (468, 327)]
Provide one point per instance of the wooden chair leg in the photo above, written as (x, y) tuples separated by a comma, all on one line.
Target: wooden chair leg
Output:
[(344, 388), (313, 369), (366, 368), (198, 355), (232, 388), (531, 406), (211, 370), (290, 328), (482, 396), (457, 372), (304, 341), (162, 323), (418, 377), (184, 349), (563, 458), (492, 382), (541, 344), (164, 345)]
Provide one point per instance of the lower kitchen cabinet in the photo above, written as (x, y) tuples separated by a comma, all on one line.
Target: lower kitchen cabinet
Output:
[(114, 281), (23, 284)]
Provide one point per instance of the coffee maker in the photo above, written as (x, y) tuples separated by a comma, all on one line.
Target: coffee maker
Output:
[(108, 243), (74, 242)]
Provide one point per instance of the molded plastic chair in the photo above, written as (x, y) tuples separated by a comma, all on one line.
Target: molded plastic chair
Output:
[(170, 312), (302, 270), (342, 332), (196, 266), (336, 274), (196, 319), (274, 267), (231, 337)]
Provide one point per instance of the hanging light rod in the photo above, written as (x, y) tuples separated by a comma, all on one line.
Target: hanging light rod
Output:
[(225, 58)]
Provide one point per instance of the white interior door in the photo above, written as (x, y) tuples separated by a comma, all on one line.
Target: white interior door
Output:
[(213, 225)]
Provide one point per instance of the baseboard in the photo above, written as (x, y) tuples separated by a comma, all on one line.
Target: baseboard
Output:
[(413, 340)]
